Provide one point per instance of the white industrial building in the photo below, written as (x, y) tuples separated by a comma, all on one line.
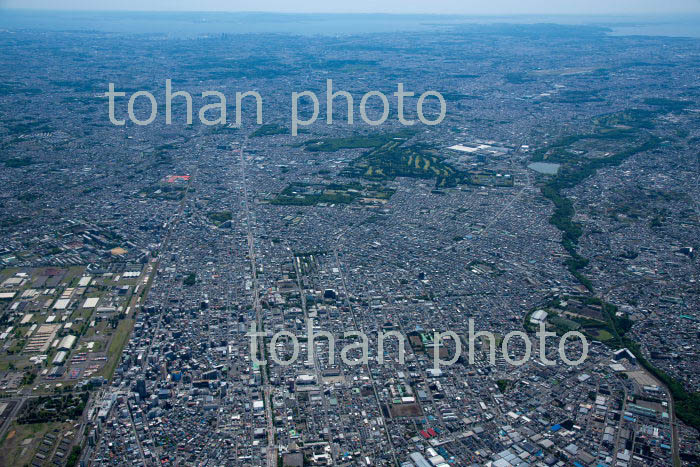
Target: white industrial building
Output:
[(91, 302), (60, 358), (67, 342)]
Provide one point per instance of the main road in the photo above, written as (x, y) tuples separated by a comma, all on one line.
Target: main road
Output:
[(359, 327), (271, 449)]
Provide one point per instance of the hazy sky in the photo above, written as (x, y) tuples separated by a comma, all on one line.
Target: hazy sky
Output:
[(483, 7)]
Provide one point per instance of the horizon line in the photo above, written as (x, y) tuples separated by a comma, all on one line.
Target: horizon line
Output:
[(358, 13)]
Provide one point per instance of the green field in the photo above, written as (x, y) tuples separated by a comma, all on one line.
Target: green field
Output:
[(602, 335), (269, 130), (632, 118), (22, 441), (219, 217), (394, 159), (119, 339), (563, 324), (353, 142), (309, 194)]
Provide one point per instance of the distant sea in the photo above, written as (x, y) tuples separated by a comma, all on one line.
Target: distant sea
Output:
[(197, 24)]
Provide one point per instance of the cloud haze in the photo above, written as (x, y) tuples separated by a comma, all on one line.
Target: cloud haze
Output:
[(468, 7)]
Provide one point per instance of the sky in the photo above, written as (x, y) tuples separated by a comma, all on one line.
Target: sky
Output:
[(467, 7)]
